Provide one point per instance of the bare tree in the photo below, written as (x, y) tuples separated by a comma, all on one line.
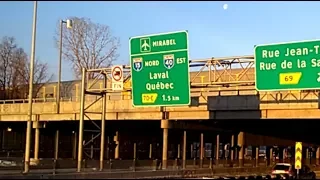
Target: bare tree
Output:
[(17, 83), (41, 76), (14, 71), (88, 44), (7, 47)]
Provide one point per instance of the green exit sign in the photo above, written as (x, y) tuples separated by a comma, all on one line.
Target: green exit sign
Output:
[(160, 69), (288, 66)]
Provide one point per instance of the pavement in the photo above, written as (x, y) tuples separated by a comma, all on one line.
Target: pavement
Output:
[(46, 171), (118, 173), (144, 174), (144, 170), (246, 176), (141, 174)]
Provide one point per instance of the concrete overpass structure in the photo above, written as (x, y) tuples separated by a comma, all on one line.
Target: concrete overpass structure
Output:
[(226, 93), (219, 91)]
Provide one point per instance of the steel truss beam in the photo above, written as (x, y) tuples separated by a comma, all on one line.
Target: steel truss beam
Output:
[(215, 69), (99, 131)]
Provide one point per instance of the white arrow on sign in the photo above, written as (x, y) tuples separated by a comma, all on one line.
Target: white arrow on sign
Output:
[(117, 78)]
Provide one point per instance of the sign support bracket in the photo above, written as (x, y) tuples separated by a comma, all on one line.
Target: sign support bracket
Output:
[(92, 95)]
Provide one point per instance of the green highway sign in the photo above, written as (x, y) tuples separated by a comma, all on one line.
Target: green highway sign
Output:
[(288, 66), (160, 69)]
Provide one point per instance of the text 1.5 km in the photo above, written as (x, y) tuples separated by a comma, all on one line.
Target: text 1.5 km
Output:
[(170, 98)]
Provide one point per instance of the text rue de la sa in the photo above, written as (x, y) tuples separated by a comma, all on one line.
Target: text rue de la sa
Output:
[(288, 64)]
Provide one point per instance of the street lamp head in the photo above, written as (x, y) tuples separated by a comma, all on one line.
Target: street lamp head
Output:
[(69, 24)]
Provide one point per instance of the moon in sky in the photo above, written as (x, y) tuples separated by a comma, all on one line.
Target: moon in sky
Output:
[(225, 6)]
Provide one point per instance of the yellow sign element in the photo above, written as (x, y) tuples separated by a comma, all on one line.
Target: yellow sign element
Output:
[(298, 155), (127, 84), (289, 78), (294, 92), (149, 98)]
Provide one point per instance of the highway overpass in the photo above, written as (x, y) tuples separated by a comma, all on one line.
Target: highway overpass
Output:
[(219, 92)]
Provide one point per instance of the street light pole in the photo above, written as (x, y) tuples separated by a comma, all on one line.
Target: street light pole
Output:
[(32, 57), (69, 25), (59, 68)]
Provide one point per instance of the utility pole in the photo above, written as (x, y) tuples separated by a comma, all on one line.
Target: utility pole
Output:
[(29, 122)]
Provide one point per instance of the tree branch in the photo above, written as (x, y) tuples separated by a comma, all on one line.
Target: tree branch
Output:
[(88, 44)]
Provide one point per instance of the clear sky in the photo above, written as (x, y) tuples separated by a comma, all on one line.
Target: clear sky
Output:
[(213, 31)]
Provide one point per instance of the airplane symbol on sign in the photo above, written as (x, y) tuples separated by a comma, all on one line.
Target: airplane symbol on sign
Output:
[(145, 45)]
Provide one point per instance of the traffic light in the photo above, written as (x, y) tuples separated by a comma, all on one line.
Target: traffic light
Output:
[(298, 155)]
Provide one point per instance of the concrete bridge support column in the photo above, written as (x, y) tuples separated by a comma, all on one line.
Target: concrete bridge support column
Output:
[(257, 157), (36, 142), (232, 145), (74, 146), (179, 151), (317, 156), (217, 149), (36, 125), (116, 140), (271, 156), (165, 126), (201, 150), (307, 156), (150, 151), (241, 143), (184, 150), (191, 151), (56, 145)]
